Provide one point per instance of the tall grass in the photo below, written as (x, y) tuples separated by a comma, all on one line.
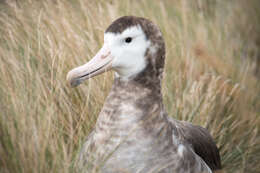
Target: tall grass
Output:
[(210, 79)]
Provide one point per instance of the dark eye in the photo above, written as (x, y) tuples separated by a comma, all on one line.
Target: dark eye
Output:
[(128, 40)]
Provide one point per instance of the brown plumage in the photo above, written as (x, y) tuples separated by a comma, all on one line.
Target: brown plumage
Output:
[(133, 132), (201, 142)]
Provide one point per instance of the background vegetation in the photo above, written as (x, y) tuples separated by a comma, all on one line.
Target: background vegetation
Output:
[(211, 76)]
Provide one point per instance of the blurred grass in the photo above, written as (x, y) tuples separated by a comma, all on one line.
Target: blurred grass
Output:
[(211, 76)]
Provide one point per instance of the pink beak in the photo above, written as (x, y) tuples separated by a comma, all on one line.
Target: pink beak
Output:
[(100, 63)]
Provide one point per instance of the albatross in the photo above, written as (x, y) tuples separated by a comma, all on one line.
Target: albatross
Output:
[(133, 132)]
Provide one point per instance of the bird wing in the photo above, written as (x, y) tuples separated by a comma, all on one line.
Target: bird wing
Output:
[(199, 139)]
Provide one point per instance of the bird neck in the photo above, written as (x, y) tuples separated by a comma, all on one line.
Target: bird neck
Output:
[(142, 91), (132, 101)]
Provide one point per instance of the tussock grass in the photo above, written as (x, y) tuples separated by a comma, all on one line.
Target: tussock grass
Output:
[(210, 76)]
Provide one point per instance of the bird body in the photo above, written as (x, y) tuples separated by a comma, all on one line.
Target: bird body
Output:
[(133, 132)]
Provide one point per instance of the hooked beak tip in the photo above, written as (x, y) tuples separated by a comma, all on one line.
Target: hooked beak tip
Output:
[(72, 81)]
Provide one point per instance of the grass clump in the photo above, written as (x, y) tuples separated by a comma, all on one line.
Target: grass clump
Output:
[(211, 76)]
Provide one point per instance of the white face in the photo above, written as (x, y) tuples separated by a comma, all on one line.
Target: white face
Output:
[(128, 49), (124, 53)]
